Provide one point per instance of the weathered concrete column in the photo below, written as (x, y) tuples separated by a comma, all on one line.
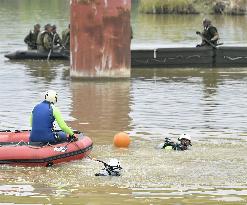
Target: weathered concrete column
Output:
[(100, 38)]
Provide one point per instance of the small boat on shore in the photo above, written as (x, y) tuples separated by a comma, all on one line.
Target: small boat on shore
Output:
[(15, 149), (183, 57)]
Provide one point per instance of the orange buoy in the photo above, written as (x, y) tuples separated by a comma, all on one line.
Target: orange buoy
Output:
[(121, 139)]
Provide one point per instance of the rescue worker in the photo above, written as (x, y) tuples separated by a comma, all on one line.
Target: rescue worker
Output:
[(112, 168), (209, 33), (42, 119), (31, 38), (55, 37), (66, 38), (45, 41), (184, 143)]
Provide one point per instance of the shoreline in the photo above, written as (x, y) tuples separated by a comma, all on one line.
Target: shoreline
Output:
[(181, 7)]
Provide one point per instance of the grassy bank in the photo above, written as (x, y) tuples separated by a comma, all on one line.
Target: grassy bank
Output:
[(168, 7), (231, 7)]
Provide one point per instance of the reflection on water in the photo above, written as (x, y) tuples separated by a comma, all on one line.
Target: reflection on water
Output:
[(46, 71), (101, 108), (209, 104), (199, 101), (210, 82), (179, 30)]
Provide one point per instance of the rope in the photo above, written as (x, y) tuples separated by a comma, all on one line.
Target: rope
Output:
[(18, 131)]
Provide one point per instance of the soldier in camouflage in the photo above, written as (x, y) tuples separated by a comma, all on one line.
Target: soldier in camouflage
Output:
[(55, 37), (31, 38), (209, 33), (66, 38), (45, 39)]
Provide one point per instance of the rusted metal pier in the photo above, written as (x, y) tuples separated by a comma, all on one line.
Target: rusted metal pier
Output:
[(100, 38)]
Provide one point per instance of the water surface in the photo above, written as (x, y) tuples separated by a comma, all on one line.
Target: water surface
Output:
[(209, 104)]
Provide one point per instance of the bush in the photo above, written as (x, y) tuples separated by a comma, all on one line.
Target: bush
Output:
[(168, 7), (232, 7)]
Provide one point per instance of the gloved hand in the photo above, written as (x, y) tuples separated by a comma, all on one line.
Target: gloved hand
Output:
[(198, 32), (73, 138), (213, 41)]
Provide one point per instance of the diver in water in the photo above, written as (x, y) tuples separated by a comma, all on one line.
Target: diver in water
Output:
[(183, 144), (112, 168)]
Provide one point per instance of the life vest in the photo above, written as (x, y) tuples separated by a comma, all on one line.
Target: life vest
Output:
[(42, 123), (40, 39)]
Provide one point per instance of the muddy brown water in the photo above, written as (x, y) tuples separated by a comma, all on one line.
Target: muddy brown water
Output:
[(209, 104)]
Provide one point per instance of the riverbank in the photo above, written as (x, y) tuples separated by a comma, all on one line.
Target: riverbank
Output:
[(228, 7)]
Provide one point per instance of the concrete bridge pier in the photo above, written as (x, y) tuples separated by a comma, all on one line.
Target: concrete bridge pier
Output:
[(100, 35)]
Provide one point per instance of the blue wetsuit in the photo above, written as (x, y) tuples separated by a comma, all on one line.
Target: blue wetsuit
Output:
[(43, 117)]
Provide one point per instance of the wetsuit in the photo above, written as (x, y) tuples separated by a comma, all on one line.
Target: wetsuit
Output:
[(42, 119), (169, 145)]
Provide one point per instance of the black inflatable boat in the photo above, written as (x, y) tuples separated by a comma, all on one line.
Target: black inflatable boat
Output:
[(37, 55)]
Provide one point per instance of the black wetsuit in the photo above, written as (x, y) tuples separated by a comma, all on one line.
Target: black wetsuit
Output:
[(175, 146)]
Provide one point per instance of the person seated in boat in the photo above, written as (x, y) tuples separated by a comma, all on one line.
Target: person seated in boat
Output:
[(45, 40), (183, 144), (66, 38), (31, 38), (57, 41), (209, 34), (42, 118), (131, 33)]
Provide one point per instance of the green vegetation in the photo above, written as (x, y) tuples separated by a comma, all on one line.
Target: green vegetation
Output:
[(168, 6), (234, 7)]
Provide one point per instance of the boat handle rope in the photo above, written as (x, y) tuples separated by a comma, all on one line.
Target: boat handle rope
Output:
[(18, 131), (155, 53), (39, 147)]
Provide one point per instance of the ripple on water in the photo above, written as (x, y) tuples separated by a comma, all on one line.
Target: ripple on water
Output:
[(209, 104)]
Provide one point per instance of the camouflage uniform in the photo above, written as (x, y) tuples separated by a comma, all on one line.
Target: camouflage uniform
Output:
[(131, 33), (31, 38), (44, 41), (209, 33), (55, 37), (66, 38), (57, 41)]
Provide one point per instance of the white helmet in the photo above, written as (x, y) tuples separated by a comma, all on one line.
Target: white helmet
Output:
[(51, 96), (115, 164), (185, 136)]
